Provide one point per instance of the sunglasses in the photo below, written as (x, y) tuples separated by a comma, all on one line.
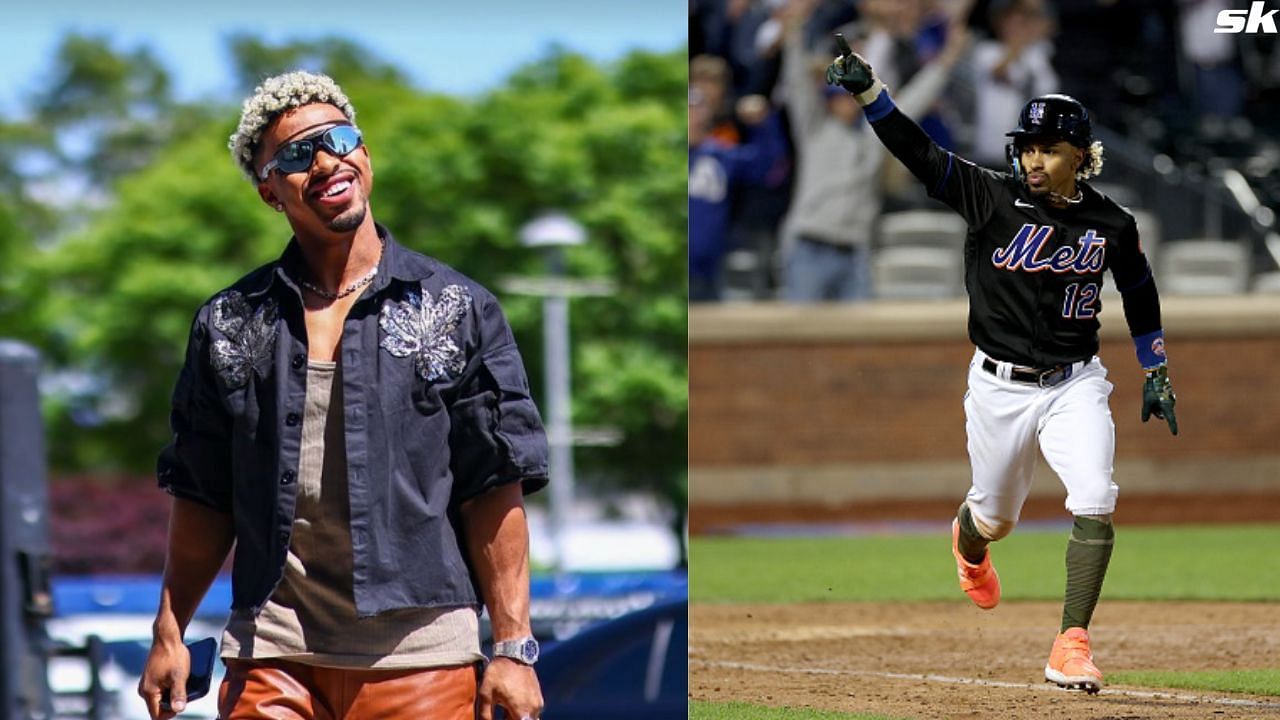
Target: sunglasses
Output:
[(296, 156)]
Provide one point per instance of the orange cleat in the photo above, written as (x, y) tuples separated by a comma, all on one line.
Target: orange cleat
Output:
[(1071, 663), (980, 582)]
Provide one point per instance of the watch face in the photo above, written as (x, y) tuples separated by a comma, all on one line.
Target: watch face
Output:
[(529, 650)]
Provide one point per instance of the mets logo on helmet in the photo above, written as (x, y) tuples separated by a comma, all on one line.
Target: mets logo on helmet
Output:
[(1036, 113)]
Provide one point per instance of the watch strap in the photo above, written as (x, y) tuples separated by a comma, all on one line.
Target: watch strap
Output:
[(524, 650)]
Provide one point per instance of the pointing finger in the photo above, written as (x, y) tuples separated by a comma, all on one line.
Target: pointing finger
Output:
[(843, 45)]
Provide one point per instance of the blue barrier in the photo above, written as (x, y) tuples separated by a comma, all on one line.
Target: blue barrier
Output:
[(140, 594)]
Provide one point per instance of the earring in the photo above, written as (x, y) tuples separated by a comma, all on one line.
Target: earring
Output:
[(279, 207)]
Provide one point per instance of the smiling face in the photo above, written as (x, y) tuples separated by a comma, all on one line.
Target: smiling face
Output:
[(331, 196), (1050, 166)]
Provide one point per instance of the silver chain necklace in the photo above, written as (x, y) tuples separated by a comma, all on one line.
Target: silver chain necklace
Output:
[(1070, 200), (368, 278)]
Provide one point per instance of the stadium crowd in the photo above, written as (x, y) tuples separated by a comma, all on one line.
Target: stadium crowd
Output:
[(788, 184)]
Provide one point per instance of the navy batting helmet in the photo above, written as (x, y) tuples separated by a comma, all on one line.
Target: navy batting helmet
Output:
[(1059, 116)]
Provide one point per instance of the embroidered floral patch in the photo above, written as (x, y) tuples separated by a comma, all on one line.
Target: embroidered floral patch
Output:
[(248, 337), (423, 327)]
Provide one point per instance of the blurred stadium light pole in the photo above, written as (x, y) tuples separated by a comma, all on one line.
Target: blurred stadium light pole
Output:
[(553, 232)]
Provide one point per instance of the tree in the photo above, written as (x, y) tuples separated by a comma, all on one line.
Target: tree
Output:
[(124, 290), (24, 223), (564, 134), (455, 179), (338, 57), (108, 110)]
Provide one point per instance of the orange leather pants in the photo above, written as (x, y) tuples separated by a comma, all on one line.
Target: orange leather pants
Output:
[(282, 690)]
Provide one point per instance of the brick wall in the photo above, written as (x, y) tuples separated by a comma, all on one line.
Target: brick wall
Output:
[(875, 391)]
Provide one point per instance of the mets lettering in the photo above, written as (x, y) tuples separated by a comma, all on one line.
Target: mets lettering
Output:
[(1023, 252)]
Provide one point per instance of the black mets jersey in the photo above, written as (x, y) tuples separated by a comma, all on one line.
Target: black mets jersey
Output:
[(1033, 272)]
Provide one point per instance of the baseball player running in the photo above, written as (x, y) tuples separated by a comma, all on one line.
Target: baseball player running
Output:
[(1039, 240)]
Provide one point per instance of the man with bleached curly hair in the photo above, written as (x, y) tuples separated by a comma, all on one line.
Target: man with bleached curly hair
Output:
[(355, 417)]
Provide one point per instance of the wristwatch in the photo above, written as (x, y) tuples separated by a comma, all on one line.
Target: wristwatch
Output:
[(522, 650)]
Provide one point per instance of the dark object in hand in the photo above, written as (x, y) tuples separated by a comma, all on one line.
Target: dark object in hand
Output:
[(202, 655)]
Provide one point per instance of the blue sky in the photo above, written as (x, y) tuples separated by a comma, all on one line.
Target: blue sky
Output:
[(457, 47)]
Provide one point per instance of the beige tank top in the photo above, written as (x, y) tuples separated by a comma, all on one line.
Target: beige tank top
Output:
[(311, 617)]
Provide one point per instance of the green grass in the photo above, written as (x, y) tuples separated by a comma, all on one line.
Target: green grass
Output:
[(1207, 562), (1210, 562), (743, 711), (1256, 682)]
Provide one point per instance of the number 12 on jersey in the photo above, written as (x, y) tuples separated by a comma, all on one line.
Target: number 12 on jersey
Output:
[(1079, 301)]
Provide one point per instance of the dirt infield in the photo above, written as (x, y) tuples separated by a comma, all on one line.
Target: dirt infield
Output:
[(951, 660)]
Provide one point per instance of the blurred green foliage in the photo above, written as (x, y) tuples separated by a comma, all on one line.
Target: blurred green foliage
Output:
[(155, 218)]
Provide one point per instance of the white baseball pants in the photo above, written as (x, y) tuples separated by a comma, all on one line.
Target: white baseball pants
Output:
[(1071, 422)]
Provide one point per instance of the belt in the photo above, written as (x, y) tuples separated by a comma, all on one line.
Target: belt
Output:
[(838, 247), (1045, 378)]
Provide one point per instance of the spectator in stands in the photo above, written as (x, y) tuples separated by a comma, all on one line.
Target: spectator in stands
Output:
[(739, 31), (902, 36), (712, 79), (828, 231), (886, 29), (1217, 84), (1008, 69), (702, 26), (768, 48), (929, 38), (1098, 33), (714, 167)]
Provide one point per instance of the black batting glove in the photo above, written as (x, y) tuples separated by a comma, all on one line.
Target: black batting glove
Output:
[(850, 71), (1158, 397)]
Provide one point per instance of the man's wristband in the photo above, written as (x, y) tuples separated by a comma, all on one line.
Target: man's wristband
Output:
[(881, 104), (1150, 349), (868, 96)]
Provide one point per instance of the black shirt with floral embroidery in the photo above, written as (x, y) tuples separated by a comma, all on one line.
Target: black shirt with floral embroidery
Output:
[(437, 411)]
